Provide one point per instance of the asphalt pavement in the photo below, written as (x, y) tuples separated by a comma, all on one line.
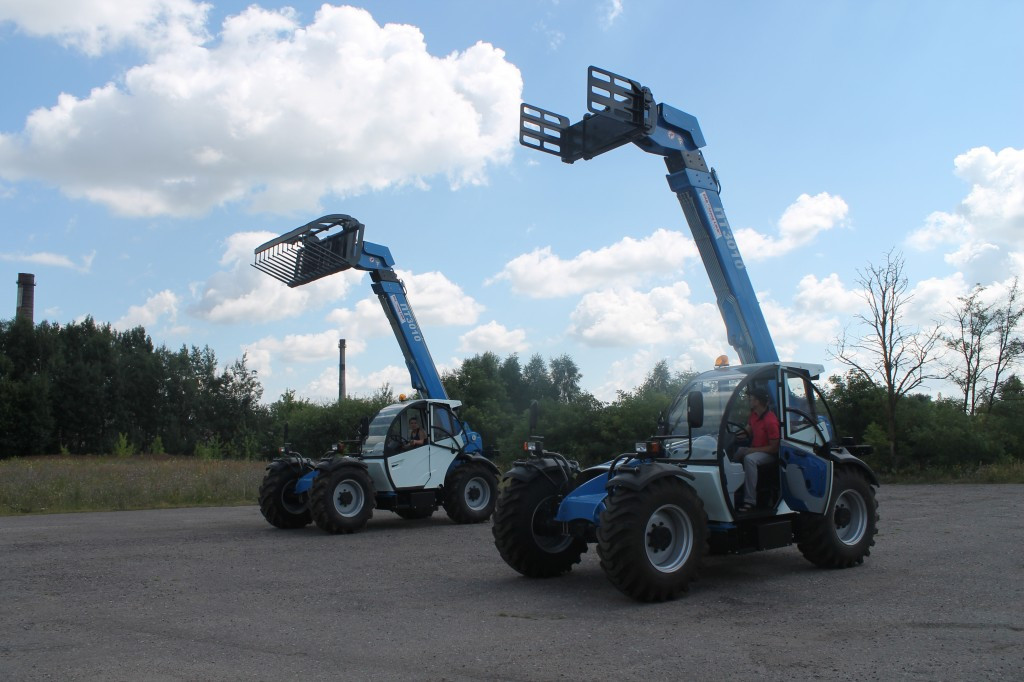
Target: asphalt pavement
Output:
[(218, 594)]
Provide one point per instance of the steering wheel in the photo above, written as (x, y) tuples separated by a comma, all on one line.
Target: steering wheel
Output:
[(735, 428)]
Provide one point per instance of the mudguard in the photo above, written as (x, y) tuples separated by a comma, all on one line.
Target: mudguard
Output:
[(467, 457), (639, 477), (291, 462), (326, 465), (843, 457)]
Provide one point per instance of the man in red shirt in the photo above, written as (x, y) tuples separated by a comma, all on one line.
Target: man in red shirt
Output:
[(763, 429)]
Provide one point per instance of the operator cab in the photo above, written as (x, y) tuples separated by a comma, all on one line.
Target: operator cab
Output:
[(393, 464), (806, 428)]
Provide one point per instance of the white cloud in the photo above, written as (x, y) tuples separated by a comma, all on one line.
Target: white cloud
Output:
[(800, 223), (542, 274), (156, 307), (827, 295), (984, 235), (56, 260), (493, 337), (626, 317), (434, 299), (325, 386), (610, 12), (276, 115), (94, 26), (241, 293)]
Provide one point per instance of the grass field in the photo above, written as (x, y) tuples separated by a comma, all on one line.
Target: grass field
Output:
[(49, 485), (73, 484)]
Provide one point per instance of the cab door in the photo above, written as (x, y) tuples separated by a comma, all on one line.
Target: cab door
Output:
[(408, 468), (806, 476)]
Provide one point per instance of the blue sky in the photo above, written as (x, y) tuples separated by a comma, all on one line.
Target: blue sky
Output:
[(146, 149)]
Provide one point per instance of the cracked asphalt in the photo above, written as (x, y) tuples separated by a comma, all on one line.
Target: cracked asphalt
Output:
[(218, 594)]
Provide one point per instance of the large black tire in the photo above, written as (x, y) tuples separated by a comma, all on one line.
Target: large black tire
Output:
[(413, 513), (470, 493), (343, 499), (523, 531), (279, 503), (652, 541), (844, 535)]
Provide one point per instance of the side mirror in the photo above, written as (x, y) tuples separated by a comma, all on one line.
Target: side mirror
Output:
[(695, 409), (364, 428), (662, 427)]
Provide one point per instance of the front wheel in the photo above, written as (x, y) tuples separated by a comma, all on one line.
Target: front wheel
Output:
[(652, 541), (525, 533), (343, 499), (280, 505), (844, 535), (472, 490)]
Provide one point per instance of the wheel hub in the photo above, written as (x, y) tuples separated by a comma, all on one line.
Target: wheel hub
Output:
[(659, 537), (345, 498), (843, 517), (473, 494)]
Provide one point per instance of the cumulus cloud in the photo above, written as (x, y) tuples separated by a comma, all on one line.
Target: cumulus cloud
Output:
[(241, 293), (493, 337), (985, 233), (156, 307), (627, 317), (95, 26), (542, 274), (275, 114), (56, 260), (800, 223), (435, 300), (358, 383)]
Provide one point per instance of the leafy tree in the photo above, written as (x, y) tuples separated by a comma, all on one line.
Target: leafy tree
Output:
[(565, 376)]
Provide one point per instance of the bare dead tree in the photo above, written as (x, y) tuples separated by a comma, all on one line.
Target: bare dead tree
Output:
[(890, 352)]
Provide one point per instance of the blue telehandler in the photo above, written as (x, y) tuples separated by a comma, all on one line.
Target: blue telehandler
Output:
[(385, 468), (656, 511)]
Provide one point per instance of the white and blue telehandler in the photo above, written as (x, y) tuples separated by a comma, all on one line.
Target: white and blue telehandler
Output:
[(385, 468), (656, 511)]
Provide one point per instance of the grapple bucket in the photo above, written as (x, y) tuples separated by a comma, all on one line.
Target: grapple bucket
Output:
[(307, 253)]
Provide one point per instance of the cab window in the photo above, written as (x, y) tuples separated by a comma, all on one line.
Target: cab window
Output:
[(807, 417), (445, 425)]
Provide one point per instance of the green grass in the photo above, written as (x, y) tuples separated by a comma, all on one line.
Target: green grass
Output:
[(1011, 471), (94, 483)]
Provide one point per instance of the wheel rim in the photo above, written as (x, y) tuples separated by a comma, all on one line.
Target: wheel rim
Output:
[(543, 513), (292, 502), (348, 498), (851, 517), (669, 538), (477, 494)]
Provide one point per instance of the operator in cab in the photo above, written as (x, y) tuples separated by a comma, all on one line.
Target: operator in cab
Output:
[(417, 436), (763, 431)]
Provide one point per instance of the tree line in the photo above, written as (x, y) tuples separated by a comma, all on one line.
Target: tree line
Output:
[(86, 388)]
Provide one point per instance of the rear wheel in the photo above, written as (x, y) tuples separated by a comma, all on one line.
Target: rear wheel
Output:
[(281, 506), (342, 499), (844, 535), (524, 531), (652, 541), (472, 490)]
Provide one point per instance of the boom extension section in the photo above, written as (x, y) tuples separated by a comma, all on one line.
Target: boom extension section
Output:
[(623, 111), (308, 253)]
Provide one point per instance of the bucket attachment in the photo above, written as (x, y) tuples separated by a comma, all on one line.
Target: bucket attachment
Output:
[(306, 254)]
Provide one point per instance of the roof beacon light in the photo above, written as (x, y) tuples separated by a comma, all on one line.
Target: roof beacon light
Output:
[(722, 361)]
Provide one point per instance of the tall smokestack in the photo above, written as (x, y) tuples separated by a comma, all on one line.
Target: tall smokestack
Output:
[(341, 369), (26, 297)]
